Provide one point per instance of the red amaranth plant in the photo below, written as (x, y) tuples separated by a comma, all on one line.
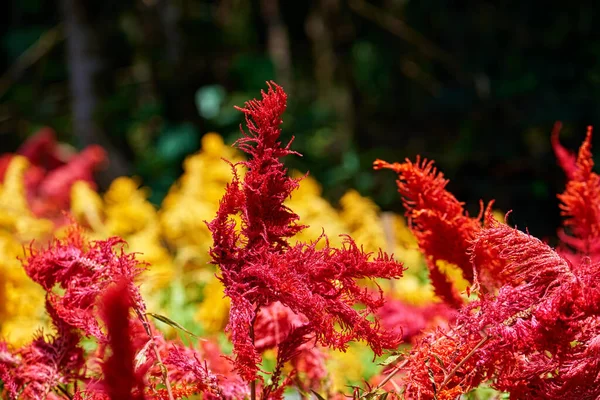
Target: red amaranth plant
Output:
[(76, 275), (33, 371), (537, 336), (53, 193), (534, 339), (410, 320), (42, 152), (259, 266), (279, 327)]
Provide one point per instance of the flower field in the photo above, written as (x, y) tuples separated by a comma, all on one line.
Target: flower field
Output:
[(247, 284)]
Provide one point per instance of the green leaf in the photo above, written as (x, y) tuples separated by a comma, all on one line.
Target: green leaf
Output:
[(170, 322), (439, 360), (431, 375), (375, 394), (176, 141), (209, 100), (390, 360), (484, 392)]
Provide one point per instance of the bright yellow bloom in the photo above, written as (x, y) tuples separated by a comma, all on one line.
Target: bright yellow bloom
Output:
[(87, 207), (454, 274), (316, 212), (213, 312), (191, 201), (22, 310), (361, 215), (499, 215), (402, 233), (347, 368), (15, 215), (21, 300), (127, 209), (411, 288)]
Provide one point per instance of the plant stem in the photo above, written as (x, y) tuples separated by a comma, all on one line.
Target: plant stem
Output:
[(64, 391), (464, 360), (392, 373), (163, 369), (253, 383)]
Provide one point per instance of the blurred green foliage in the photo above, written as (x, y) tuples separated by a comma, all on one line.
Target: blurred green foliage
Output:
[(475, 85)]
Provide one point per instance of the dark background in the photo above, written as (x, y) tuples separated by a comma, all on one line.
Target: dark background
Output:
[(475, 85)]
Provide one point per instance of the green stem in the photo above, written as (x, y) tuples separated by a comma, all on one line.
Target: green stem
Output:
[(253, 383), (163, 369)]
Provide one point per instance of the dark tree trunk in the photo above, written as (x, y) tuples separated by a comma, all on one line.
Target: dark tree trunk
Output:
[(324, 26), (278, 43), (86, 66)]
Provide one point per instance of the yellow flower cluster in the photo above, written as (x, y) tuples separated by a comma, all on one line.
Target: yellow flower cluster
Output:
[(21, 300), (315, 212)]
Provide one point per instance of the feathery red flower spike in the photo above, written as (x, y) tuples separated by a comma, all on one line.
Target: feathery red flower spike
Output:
[(259, 266)]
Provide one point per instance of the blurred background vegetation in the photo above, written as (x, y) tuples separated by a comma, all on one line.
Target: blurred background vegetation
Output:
[(475, 85)]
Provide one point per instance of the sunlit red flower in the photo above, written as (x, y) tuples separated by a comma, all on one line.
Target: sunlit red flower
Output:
[(259, 266), (580, 202), (438, 220)]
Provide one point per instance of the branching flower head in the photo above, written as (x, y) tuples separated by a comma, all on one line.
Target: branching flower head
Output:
[(52, 171), (259, 266), (32, 371), (83, 271)]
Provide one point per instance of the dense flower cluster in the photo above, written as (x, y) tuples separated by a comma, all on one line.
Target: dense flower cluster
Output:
[(533, 331), (90, 293), (78, 282), (301, 308)]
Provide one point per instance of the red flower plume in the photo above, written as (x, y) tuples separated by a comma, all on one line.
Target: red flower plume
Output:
[(54, 191), (32, 371), (278, 327), (536, 338), (120, 379), (258, 264), (566, 159), (442, 227), (83, 271), (580, 202)]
